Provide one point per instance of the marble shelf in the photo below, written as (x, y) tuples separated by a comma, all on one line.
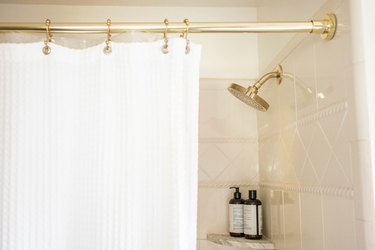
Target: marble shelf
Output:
[(226, 240)]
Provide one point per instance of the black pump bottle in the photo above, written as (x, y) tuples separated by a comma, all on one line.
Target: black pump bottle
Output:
[(236, 214), (253, 217)]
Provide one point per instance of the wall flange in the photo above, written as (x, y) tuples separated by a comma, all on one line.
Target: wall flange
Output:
[(332, 26)]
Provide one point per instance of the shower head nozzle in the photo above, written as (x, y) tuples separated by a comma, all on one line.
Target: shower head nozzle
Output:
[(250, 95)]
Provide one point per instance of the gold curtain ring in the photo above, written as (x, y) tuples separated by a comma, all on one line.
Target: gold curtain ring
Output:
[(164, 48), (47, 49), (107, 49), (187, 47)]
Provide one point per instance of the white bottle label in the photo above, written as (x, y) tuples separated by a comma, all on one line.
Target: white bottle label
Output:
[(260, 220), (252, 222), (236, 218)]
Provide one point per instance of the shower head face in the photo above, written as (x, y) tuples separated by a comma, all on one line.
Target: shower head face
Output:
[(248, 97)]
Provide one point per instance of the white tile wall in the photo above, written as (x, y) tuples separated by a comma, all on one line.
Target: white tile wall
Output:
[(335, 213), (312, 236), (228, 155), (291, 203), (309, 143), (314, 165), (277, 219)]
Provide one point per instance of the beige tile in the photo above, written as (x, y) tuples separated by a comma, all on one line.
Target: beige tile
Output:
[(271, 44), (289, 173), (285, 168), (286, 96), (202, 176), (287, 137), (213, 161), (277, 219), (333, 59), (276, 159), (249, 121), (265, 197), (223, 115), (212, 114), (332, 125), (277, 170), (335, 175), (308, 174), (339, 226), (298, 155), (213, 211), (306, 132), (232, 150), (203, 147), (363, 182), (365, 231), (311, 222), (238, 175), (356, 28), (244, 167), (268, 122), (206, 84), (358, 114), (248, 158), (267, 156), (319, 152), (341, 148), (333, 75), (292, 221), (304, 78)]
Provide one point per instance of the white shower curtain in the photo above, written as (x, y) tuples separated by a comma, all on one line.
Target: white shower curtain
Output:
[(98, 152)]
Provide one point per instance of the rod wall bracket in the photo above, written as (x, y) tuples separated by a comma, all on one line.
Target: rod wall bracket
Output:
[(331, 22)]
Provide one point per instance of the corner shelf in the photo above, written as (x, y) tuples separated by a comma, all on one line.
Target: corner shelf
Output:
[(226, 240)]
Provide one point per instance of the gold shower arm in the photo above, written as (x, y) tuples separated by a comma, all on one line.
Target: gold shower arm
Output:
[(325, 27), (276, 73), (265, 78)]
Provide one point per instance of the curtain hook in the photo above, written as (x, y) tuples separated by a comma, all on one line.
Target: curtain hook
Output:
[(107, 49), (182, 35), (47, 49), (187, 47), (164, 48)]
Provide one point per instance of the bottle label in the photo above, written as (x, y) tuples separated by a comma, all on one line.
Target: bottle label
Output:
[(236, 218), (260, 220), (253, 220)]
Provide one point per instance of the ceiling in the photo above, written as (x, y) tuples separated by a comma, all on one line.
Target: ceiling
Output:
[(213, 3)]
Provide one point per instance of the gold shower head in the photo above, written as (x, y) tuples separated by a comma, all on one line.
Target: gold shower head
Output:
[(250, 95)]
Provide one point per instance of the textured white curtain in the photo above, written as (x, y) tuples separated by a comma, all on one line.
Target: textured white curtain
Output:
[(98, 152)]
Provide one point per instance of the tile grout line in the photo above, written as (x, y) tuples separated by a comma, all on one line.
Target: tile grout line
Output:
[(300, 220), (284, 232), (323, 225)]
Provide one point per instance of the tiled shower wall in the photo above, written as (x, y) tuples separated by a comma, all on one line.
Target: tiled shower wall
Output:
[(228, 156), (306, 149)]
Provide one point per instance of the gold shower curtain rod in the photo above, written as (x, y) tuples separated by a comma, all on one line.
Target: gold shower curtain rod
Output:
[(325, 27)]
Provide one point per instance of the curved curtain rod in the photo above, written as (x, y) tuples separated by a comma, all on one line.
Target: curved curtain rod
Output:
[(325, 27)]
